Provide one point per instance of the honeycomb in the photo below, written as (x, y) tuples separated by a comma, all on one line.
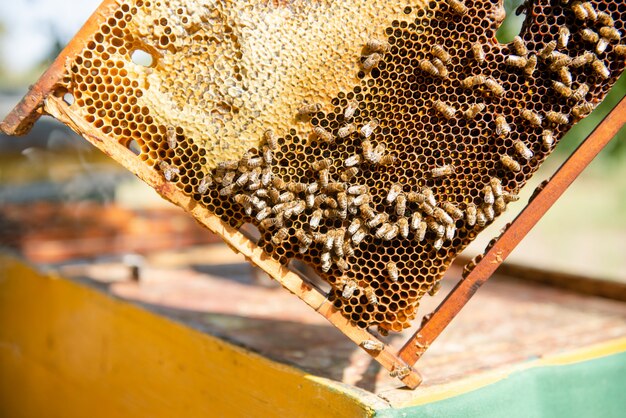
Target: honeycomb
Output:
[(370, 140)]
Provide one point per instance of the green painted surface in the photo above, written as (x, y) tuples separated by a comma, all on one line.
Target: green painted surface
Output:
[(594, 388)]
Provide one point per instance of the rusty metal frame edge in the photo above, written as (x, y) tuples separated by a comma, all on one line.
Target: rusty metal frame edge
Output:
[(514, 233)]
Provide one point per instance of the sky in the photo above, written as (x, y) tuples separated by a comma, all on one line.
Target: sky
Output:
[(30, 27)]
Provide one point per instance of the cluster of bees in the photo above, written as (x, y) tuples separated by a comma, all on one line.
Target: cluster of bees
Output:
[(332, 209)]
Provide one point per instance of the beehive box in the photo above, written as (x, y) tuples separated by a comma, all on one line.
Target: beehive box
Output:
[(372, 141)]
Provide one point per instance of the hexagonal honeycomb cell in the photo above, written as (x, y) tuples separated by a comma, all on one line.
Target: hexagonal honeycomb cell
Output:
[(370, 140)]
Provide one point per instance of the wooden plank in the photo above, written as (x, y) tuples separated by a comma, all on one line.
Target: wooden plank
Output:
[(70, 351)]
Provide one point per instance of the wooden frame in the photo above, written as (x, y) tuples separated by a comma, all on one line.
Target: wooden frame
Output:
[(42, 99)]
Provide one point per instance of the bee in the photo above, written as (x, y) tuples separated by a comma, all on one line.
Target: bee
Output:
[(591, 11), (579, 10), (392, 271), (262, 193), (280, 236), (473, 81), (403, 227), (321, 164), (268, 156), (309, 109), (522, 150), (325, 266), (443, 171), (278, 183), (441, 67), (478, 52), (323, 134), (557, 118), (268, 223), (263, 213), (488, 196), (367, 211), (562, 89), (368, 129), (309, 200), (510, 163), (346, 130), (377, 154), (335, 187), (172, 141), (383, 230), (455, 212), (605, 19), (442, 216), (457, 6), (470, 214), (402, 372), (357, 190), (564, 35), (420, 232), (519, 46), (602, 45), (583, 59), (532, 117), (359, 236), (516, 61), (435, 288), (339, 241), (510, 197), (242, 180), (296, 187), (329, 240), (324, 178), (342, 265), (348, 289), (370, 294), (352, 107), (286, 197), (347, 249), (304, 239), (391, 233), (499, 205), (502, 127), (394, 192), (387, 159), (415, 197), (565, 76), (371, 61), (473, 110), (378, 219), (547, 139), (372, 345), (259, 204), (620, 50), (298, 207), (169, 171), (489, 212), (481, 219), (496, 186), (560, 62), (416, 218), (430, 196), (445, 110), (266, 176), (342, 200), (361, 200), (529, 69), (450, 232), (428, 67), (600, 69), (495, 87), (547, 50), (401, 204), (582, 110), (242, 199), (439, 52), (204, 185), (437, 228), (270, 139), (438, 243), (348, 173), (354, 226), (589, 35), (377, 45)]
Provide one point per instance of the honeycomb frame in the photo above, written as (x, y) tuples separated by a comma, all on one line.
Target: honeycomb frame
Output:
[(47, 96)]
